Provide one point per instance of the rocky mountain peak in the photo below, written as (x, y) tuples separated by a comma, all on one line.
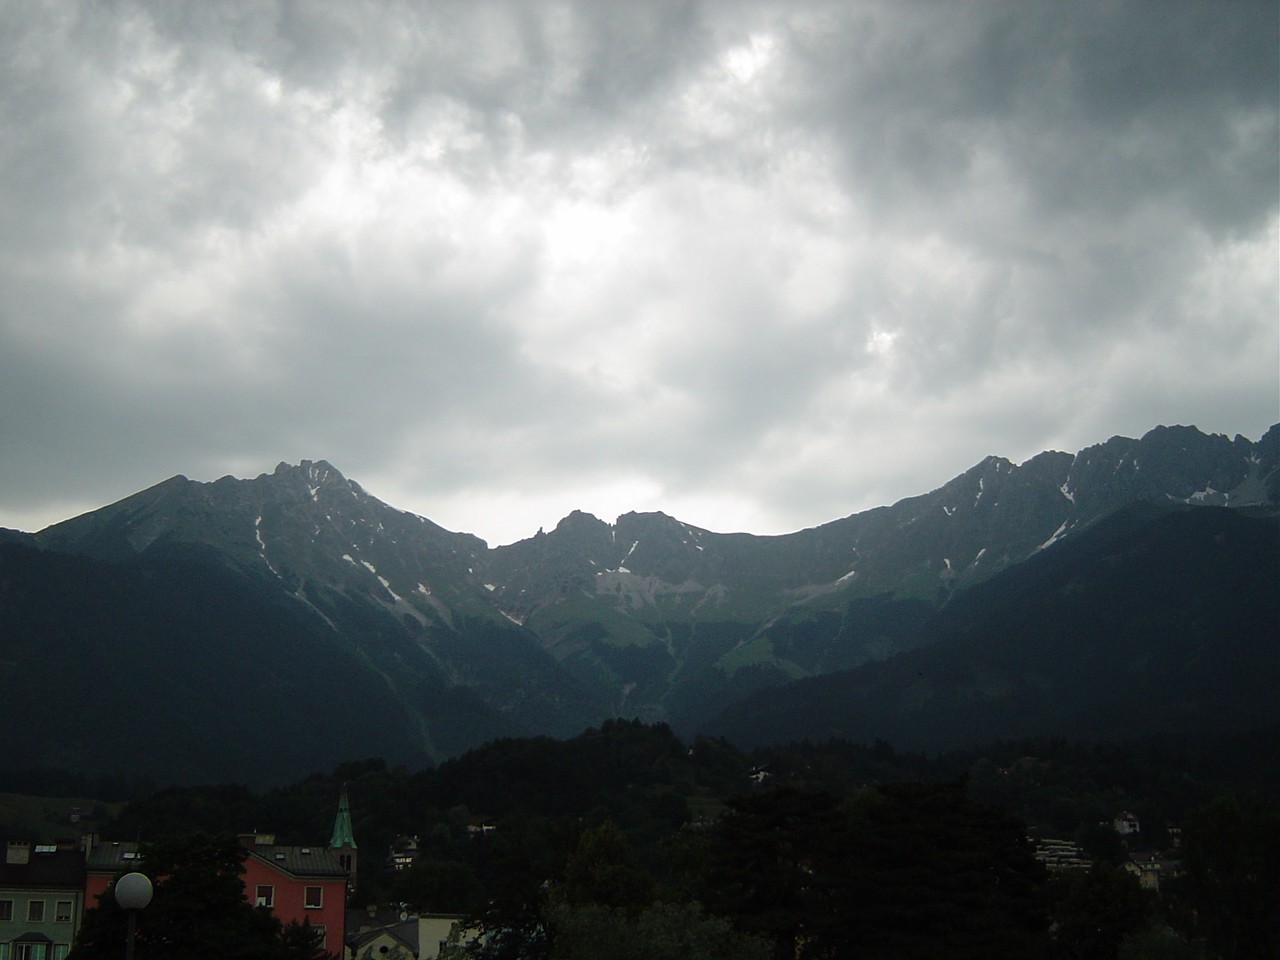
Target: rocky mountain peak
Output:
[(314, 475), (578, 521)]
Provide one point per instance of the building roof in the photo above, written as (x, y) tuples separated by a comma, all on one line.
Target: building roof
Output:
[(373, 918), (113, 856), (316, 862), (60, 868), (310, 862), (405, 931)]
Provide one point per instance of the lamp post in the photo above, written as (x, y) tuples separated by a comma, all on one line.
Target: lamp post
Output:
[(132, 892)]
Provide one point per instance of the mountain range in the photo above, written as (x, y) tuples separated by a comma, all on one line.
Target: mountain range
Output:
[(260, 629)]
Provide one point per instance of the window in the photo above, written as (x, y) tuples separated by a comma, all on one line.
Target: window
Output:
[(60, 951), (6, 913), (314, 899), (62, 913), (29, 951), (265, 895), (35, 911)]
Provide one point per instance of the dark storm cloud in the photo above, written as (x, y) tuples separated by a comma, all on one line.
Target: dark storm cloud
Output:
[(1093, 106), (756, 264)]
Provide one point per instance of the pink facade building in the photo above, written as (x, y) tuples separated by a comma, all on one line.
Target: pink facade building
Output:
[(306, 884)]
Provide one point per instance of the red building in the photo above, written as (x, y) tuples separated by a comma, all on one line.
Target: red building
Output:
[(103, 862), (306, 884)]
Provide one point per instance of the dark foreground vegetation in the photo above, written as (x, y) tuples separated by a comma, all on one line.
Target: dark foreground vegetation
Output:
[(626, 843)]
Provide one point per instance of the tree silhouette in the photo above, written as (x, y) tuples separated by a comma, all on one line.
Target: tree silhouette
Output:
[(900, 872)]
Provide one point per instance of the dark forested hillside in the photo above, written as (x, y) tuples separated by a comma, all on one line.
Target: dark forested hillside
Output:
[(1156, 619), (177, 667), (581, 842)]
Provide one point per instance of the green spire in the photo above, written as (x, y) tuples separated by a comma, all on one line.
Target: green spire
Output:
[(342, 835)]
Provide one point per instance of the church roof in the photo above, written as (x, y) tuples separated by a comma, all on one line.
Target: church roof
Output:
[(316, 862)]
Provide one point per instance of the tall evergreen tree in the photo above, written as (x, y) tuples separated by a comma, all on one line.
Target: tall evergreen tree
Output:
[(1098, 911), (1233, 875), (600, 870)]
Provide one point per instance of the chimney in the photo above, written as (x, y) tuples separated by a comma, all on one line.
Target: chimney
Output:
[(251, 841), (19, 852)]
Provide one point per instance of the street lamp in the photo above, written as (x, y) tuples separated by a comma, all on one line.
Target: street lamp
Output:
[(132, 892)]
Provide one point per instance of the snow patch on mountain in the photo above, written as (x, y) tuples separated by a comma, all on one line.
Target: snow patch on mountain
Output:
[(1057, 535), (262, 545)]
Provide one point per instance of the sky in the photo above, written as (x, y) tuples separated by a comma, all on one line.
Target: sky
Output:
[(757, 265)]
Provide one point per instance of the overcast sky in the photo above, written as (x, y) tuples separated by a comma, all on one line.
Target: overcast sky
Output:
[(756, 265)]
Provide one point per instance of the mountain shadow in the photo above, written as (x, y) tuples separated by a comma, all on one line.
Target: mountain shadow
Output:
[(1157, 619)]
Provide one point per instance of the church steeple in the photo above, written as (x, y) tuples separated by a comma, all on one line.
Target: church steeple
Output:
[(344, 840), (342, 835)]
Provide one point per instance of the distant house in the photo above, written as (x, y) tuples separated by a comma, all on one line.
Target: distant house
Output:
[(1060, 856), (1151, 869), (404, 850), (434, 930), (1148, 873), (398, 935), (1125, 823), (41, 900), (395, 941)]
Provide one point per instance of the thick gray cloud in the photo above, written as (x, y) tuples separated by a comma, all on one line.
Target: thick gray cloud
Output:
[(757, 264)]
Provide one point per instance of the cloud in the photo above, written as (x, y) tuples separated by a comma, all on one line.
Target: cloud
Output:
[(769, 263)]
